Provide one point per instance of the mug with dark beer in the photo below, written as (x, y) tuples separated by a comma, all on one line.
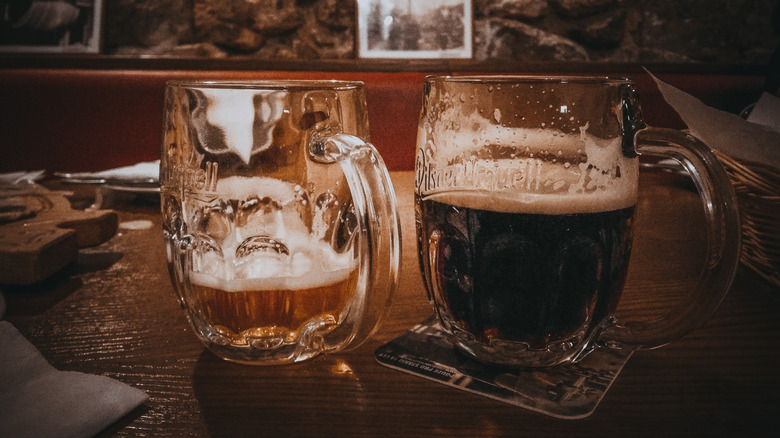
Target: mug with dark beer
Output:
[(280, 219), (525, 195)]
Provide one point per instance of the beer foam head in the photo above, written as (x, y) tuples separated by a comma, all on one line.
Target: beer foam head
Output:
[(457, 134), (270, 249), (476, 162), (311, 266), (284, 222), (534, 204), (242, 188)]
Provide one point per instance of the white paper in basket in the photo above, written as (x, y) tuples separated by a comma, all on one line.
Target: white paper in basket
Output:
[(725, 132), (766, 111)]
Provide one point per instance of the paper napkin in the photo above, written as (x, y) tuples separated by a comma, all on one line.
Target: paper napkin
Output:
[(37, 400)]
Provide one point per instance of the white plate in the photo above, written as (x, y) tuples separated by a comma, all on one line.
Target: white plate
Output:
[(133, 188)]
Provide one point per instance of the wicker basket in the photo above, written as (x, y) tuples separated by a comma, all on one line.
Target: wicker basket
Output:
[(758, 196)]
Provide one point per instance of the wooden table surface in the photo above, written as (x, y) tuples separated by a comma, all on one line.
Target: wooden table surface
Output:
[(114, 313)]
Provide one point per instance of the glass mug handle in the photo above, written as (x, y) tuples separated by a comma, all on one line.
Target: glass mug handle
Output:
[(378, 223), (723, 240)]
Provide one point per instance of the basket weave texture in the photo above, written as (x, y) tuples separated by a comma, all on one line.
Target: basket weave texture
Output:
[(758, 195)]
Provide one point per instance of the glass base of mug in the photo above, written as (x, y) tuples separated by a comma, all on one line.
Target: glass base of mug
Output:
[(513, 354), (267, 350), (286, 355), (517, 355)]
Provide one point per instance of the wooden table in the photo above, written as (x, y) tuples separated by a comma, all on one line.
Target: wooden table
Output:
[(115, 313)]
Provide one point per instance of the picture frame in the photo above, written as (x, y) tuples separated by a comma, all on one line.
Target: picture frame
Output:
[(51, 26), (410, 29)]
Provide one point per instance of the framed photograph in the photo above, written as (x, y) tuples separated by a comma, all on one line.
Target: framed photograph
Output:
[(413, 29), (51, 26)]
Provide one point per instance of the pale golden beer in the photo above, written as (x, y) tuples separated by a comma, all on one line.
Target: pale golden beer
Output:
[(271, 313)]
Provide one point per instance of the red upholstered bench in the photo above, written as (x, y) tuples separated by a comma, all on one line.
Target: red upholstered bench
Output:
[(85, 119)]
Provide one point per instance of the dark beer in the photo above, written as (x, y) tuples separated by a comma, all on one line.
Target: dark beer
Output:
[(531, 278), (526, 188)]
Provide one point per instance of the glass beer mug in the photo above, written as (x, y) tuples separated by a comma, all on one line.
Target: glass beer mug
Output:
[(525, 195), (280, 219)]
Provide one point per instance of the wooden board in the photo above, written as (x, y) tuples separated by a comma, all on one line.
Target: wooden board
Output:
[(40, 233)]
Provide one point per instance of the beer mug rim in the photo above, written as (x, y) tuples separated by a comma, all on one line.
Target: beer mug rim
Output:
[(529, 79), (270, 84)]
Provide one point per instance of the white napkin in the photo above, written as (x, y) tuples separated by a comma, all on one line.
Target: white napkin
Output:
[(725, 132), (766, 111), (36, 400)]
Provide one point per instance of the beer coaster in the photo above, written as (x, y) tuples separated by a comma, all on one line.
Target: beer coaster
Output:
[(570, 391)]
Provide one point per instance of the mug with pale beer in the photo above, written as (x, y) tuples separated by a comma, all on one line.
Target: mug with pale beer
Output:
[(280, 220), (525, 194)]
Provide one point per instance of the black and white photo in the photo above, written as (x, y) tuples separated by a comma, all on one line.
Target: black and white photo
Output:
[(50, 26), (414, 30)]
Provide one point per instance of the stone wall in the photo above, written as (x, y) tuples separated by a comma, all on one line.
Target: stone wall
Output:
[(624, 31)]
